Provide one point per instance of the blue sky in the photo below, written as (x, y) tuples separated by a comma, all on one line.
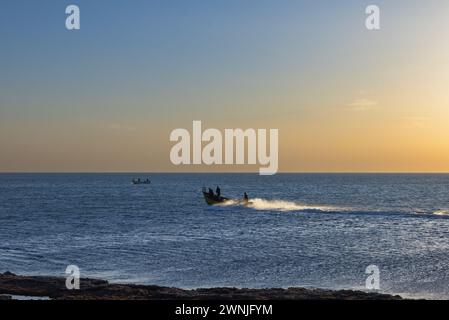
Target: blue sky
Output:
[(135, 48)]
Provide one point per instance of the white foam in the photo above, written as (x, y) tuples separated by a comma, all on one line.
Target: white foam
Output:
[(282, 205)]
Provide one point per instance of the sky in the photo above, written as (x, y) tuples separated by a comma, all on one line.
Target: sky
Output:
[(106, 97)]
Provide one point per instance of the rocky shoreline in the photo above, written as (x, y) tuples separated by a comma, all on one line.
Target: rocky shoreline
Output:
[(94, 289)]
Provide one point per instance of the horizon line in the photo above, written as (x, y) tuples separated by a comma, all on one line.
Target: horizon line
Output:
[(223, 172)]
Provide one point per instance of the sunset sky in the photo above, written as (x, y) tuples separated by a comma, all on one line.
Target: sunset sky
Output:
[(106, 97)]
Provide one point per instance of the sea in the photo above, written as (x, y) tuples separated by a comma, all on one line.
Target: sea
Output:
[(305, 230)]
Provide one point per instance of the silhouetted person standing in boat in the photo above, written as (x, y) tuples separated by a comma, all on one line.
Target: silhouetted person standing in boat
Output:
[(218, 191), (211, 192), (245, 196)]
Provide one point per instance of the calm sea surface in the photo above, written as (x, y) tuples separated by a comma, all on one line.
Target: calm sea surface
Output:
[(319, 230)]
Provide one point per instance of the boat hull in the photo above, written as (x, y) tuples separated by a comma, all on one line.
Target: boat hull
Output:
[(141, 182), (214, 200)]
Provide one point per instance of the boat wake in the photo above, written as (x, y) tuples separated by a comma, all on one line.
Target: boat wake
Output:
[(441, 212), (280, 205), (292, 206)]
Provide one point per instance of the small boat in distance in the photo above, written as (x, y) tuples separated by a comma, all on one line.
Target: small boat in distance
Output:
[(216, 199), (139, 181)]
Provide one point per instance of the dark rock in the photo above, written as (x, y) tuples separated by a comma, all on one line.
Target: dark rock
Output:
[(94, 289)]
